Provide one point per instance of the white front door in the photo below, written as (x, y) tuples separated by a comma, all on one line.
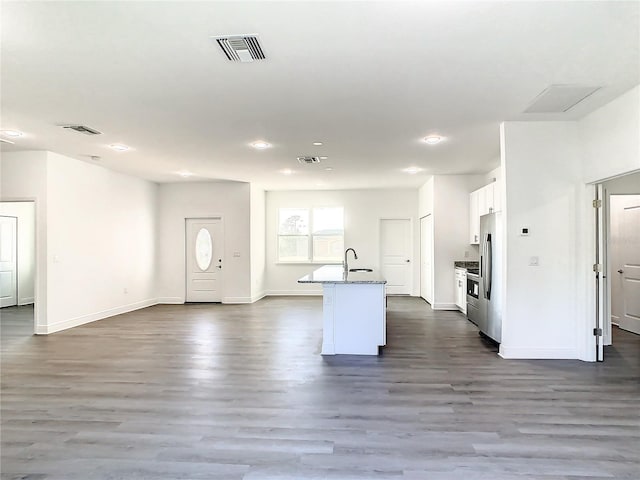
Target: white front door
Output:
[(426, 258), (625, 301), (395, 247), (205, 247), (8, 261)]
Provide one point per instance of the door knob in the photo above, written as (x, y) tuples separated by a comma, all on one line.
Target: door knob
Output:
[(620, 271)]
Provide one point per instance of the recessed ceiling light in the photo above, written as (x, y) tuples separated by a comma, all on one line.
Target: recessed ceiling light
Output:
[(12, 133), (433, 139), (323, 158), (412, 170), (260, 144), (119, 148), (287, 171), (185, 174), (317, 144), (328, 169)]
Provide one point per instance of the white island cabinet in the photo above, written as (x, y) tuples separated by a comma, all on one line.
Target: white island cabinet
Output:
[(353, 310)]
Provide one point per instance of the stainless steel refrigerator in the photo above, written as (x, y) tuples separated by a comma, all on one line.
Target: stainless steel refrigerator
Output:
[(491, 252)]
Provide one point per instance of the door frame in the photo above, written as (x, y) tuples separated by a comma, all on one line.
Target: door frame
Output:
[(607, 266), (40, 262), (410, 248), (16, 280), (602, 253), (186, 253)]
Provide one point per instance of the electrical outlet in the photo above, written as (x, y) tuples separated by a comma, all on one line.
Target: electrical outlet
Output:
[(125, 290), (466, 254), (534, 261)]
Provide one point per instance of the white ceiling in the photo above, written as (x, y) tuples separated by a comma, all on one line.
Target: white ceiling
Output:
[(369, 79)]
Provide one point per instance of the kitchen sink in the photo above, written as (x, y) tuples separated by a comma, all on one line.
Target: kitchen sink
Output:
[(361, 270)]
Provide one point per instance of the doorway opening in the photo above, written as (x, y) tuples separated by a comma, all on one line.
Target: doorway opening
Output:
[(17, 269), (618, 296)]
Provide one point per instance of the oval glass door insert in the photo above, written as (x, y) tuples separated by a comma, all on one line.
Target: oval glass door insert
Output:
[(204, 249)]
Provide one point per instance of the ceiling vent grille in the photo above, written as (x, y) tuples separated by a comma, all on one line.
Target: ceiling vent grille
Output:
[(241, 48), (560, 98), (308, 160), (82, 129)]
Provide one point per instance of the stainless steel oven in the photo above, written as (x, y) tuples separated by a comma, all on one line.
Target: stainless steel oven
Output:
[(473, 294)]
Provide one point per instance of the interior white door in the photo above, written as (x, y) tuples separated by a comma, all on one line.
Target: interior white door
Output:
[(426, 258), (628, 268), (8, 261), (395, 248), (204, 259)]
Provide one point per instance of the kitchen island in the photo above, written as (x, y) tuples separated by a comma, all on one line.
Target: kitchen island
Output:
[(353, 310)]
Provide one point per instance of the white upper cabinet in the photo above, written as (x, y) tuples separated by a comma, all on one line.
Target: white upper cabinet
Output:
[(474, 218), (481, 202)]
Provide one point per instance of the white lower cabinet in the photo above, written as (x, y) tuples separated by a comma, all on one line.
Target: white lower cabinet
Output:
[(461, 290)]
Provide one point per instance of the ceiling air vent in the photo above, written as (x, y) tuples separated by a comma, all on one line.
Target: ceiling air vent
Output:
[(82, 129), (308, 160), (560, 98), (241, 48)]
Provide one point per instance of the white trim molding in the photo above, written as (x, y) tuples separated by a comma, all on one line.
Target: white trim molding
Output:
[(444, 306), (536, 353), (92, 317), (171, 300)]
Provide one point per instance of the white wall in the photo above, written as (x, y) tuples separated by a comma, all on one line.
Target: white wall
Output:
[(543, 311), (425, 198), (446, 197), (363, 210), (26, 247), (95, 236), (451, 232), (258, 249), (178, 201), (23, 176), (100, 241), (610, 138)]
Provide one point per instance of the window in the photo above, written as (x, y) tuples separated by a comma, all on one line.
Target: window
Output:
[(310, 235)]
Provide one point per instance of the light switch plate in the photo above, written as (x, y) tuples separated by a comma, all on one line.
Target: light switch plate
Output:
[(534, 261)]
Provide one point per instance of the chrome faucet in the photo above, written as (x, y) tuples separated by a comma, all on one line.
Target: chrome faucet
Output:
[(355, 257)]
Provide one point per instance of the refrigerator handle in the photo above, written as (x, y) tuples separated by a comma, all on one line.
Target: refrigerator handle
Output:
[(488, 267)]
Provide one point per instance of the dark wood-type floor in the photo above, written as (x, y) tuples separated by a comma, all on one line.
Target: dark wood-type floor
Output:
[(241, 392)]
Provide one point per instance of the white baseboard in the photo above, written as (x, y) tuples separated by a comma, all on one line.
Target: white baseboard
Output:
[(236, 300), (629, 325), (92, 317), (305, 293), (535, 353), (444, 306), (171, 300), (26, 301), (259, 296)]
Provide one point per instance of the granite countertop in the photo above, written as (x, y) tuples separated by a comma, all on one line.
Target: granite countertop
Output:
[(336, 274), (466, 264)]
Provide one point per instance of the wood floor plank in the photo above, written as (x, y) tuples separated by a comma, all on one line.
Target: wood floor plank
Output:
[(240, 392)]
